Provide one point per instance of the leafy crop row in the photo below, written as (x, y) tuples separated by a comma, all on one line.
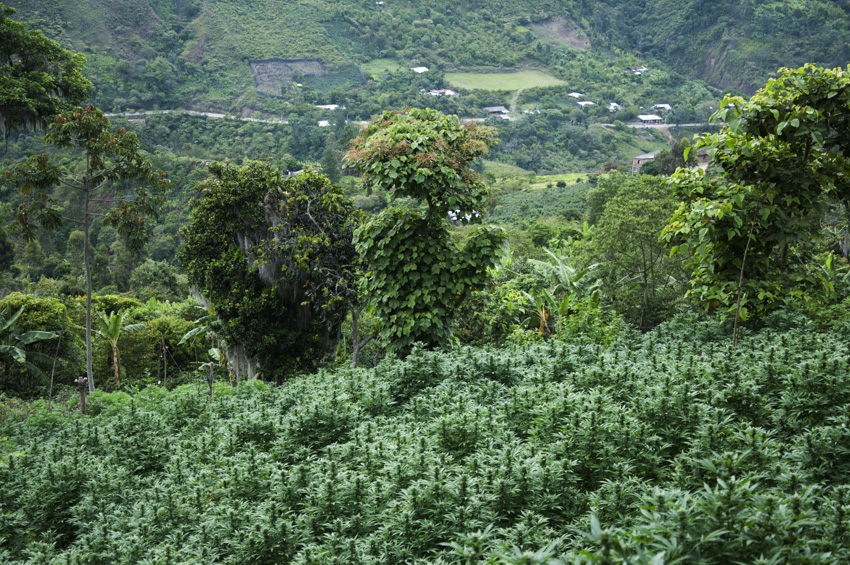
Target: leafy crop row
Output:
[(676, 445)]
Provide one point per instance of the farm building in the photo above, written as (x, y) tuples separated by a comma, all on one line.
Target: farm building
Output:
[(640, 160), (650, 119)]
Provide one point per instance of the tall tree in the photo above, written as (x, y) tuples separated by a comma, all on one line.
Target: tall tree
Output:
[(38, 78), (641, 279), (115, 182), (747, 228), (275, 259), (416, 275)]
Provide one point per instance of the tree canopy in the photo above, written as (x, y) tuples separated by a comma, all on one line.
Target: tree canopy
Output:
[(274, 257), (747, 227), (38, 78), (114, 180), (416, 274)]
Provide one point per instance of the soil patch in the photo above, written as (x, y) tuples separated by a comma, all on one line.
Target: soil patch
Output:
[(561, 30)]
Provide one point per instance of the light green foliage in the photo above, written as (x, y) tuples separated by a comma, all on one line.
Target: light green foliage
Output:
[(13, 341), (416, 275), (39, 317), (38, 78), (748, 231), (502, 81), (666, 442), (275, 259), (158, 279), (641, 281), (567, 286), (426, 155), (517, 204)]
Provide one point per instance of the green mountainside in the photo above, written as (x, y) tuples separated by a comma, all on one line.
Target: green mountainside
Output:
[(158, 52), (727, 43)]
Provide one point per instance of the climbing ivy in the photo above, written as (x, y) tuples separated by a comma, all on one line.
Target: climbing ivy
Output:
[(416, 275), (275, 258)]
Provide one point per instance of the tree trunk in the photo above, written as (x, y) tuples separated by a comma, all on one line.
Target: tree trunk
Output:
[(81, 385), (115, 362), (164, 362), (356, 345), (89, 372)]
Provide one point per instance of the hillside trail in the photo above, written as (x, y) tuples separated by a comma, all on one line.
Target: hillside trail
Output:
[(514, 99)]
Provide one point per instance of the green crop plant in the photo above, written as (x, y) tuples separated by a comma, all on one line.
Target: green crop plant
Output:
[(667, 443)]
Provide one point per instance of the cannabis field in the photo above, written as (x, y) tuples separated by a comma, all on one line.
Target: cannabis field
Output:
[(664, 447)]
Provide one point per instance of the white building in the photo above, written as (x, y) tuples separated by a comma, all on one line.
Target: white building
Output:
[(650, 119)]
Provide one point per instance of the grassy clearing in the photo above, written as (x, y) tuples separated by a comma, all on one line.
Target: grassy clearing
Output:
[(502, 81), (377, 67), (499, 169), (543, 181)]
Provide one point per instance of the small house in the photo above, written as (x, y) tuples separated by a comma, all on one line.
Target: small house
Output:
[(497, 111), (650, 119), (614, 107), (576, 95), (584, 103), (665, 107), (442, 92), (641, 160), (419, 70)]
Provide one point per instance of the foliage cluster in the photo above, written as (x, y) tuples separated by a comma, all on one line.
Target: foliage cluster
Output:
[(664, 443), (416, 276), (748, 228), (274, 258)]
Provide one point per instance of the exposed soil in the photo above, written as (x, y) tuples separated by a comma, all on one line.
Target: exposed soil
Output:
[(563, 30)]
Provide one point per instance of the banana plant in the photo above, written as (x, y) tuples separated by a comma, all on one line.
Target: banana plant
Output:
[(110, 328), (569, 285), (568, 279), (12, 341)]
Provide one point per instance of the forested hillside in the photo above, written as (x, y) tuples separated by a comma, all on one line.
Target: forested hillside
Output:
[(198, 51)]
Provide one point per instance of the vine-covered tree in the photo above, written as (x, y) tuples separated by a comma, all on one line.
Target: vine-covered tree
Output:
[(417, 275), (38, 78), (274, 256), (747, 228), (114, 181)]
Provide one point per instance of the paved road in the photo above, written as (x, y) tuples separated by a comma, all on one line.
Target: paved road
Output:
[(258, 120), (195, 113), (658, 126)]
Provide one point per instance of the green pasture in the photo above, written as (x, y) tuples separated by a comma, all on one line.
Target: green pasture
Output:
[(377, 67), (502, 81), (543, 181), (499, 169)]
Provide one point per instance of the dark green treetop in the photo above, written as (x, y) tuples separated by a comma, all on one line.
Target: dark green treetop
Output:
[(38, 78), (274, 257)]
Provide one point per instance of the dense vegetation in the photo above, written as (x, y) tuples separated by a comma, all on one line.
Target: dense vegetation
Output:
[(670, 441), (553, 386)]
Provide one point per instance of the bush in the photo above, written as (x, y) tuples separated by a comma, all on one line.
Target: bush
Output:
[(49, 315)]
